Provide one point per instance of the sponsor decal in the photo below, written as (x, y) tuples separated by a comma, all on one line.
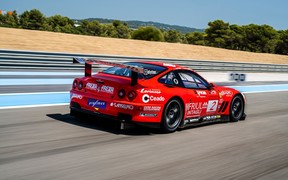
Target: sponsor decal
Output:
[(146, 98), (226, 93), (151, 91), (76, 96), (212, 105), (148, 115), (210, 118), (201, 94), (191, 120), (152, 108), (96, 103), (213, 92), (195, 108), (106, 89), (91, 86), (122, 106), (149, 72)]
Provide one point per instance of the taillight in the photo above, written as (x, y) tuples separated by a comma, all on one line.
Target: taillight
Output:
[(131, 95), (75, 84), (121, 93), (80, 85)]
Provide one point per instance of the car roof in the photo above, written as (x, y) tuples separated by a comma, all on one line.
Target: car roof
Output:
[(164, 64)]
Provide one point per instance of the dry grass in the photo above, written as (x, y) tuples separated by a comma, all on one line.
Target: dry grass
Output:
[(60, 42)]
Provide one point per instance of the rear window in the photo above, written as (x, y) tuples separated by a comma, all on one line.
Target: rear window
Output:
[(150, 70)]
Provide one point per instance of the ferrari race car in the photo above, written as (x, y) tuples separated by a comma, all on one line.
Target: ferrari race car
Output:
[(153, 93)]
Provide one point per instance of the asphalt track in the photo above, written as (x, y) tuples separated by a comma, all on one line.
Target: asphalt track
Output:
[(46, 143)]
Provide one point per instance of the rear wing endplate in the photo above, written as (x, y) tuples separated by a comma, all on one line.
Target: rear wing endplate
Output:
[(90, 61)]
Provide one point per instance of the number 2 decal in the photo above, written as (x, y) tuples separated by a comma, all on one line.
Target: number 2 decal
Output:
[(212, 105)]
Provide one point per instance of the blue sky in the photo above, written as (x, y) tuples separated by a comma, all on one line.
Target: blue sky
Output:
[(191, 13)]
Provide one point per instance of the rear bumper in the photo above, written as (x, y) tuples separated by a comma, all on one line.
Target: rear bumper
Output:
[(120, 117), (123, 118), (114, 109)]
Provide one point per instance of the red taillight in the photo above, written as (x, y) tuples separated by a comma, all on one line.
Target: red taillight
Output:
[(75, 84), (131, 95), (121, 93), (80, 85)]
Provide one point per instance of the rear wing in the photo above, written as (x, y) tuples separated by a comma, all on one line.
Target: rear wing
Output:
[(90, 61)]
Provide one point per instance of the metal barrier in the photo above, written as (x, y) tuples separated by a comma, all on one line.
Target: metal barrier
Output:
[(14, 59)]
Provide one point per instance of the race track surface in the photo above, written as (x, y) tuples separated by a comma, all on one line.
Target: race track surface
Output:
[(46, 143)]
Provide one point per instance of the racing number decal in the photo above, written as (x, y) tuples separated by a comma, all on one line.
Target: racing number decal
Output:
[(212, 105)]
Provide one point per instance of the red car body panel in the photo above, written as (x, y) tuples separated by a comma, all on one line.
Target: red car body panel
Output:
[(100, 95)]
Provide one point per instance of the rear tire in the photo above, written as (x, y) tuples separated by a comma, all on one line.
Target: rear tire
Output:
[(236, 109), (172, 116)]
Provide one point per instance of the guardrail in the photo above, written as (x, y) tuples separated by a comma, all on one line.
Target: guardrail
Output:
[(14, 59)]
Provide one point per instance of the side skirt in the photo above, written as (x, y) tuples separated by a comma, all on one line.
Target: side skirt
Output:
[(190, 122)]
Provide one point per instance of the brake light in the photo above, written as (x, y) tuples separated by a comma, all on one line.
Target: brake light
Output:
[(131, 95), (80, 85), (75, 84), (121, 93)]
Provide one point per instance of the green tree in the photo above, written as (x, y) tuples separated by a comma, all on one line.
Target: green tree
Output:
[(172, 36), (236, 38), (260, 38), (196, 38), (148, 33), (108, 30), (60, 23), (122, 29), (93, 28), (33, 19), (217, 33), (9, 20), (282, 44)]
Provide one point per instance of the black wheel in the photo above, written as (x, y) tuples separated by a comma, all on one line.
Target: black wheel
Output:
[(172, 116), (236, 109)]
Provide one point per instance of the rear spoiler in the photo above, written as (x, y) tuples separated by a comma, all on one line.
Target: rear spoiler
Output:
[(90, 61)]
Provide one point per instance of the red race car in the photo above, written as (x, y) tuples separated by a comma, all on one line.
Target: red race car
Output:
[(153, 93)]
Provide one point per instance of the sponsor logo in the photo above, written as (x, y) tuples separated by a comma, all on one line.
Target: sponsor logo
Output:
[(191, 120), (96, 103), (201, 93), (210, 118), (146, 98), (213, 92), (107, 89), (212, 106), (91, 86), (148, 115), (195, 108), (226, 93), (76, 96), (151, 108), (151, 91), (122, 106), (149, 72)]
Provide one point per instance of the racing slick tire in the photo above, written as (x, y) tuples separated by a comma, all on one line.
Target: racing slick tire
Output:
[(172, 116), (236, 108)]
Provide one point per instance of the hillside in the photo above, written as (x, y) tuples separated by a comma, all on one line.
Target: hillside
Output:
[(137, 24), (59, 42)]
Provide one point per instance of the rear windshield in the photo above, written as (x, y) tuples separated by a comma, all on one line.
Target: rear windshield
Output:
[(150, 70)]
